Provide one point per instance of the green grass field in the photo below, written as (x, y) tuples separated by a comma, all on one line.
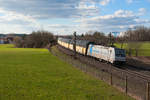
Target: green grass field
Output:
[(35, 74), (144, 49)]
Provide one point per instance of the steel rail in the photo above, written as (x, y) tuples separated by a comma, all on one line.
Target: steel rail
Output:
[(125, 71)]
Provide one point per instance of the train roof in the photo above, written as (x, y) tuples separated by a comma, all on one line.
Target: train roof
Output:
[(82, 43), (64, 40), (108, 47)]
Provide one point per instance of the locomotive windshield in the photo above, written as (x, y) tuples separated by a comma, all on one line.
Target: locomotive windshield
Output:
[(120, 53)]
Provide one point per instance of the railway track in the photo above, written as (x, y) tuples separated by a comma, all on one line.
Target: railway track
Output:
[(127, 69), (133, 72), (126, 78)]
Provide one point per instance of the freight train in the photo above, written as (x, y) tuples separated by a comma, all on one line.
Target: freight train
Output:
[(109, 54)]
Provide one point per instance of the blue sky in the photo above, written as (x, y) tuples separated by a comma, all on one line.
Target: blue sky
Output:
[(66, 16)]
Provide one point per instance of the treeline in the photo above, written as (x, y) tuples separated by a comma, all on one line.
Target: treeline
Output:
[(96, 37), (134, 39), (140, 34), (37, 39)]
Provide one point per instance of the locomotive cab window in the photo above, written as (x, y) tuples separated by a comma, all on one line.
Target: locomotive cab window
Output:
[(119, 53)]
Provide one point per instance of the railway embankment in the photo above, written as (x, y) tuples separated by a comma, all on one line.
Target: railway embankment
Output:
[(129, 81)]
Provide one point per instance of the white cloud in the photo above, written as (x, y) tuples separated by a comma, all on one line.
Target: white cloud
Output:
[(129, 1), (83, 5), (119, 21), (9, 28), (121, 34), (87, 8), (11, 21), (28, 15), (45, 9), (142, 11), (104, 2), (118, 14), (123, 13), (8, 16)]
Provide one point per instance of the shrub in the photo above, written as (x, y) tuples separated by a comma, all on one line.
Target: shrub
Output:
[(38, 39)]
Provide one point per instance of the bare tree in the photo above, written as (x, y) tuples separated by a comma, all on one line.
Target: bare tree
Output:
[(96, 37), (38, 39), (18, 41), (134, 37)]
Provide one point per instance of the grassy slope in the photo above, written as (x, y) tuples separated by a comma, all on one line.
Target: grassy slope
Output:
[(144, 49), (35, 74)]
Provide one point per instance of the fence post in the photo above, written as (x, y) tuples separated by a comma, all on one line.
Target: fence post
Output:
[(148, 91), (74, 45), (126, 84)]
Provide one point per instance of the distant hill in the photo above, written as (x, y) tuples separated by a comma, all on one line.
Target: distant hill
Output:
[(6, 35), (2, 35)]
